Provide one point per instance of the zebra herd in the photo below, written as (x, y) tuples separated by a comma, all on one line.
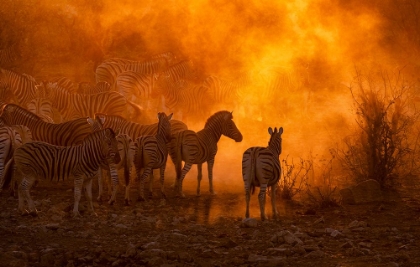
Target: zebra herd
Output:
[(58, 130)]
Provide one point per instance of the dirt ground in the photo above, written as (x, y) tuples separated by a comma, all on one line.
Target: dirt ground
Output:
[(206, 231)]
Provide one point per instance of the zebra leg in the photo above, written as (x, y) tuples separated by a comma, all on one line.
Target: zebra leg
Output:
[(185, 170), (247, 193), (146, 173), (78, 185), (25, 186), (150, 192), (273, 201), (88, 194), (162, 181), (210, 165), (199, 177), (113, 172), (127, 200), (261, 199), (100, 185)]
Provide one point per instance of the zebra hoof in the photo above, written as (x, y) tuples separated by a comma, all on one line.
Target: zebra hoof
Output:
[(140, 198), (111, 202), (33, 213), (127, 202), (76, 214), (24, 213)]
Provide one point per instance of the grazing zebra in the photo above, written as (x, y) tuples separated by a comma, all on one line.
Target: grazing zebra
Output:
[(152, 153), (39, 160), (135, 130), (199, 147), (261, 168), (23, 86), (126, 150), (73, 106), (61, 134)]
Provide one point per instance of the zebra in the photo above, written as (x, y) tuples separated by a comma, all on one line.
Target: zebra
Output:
[(135, 86), (43, 108), (11, 137), (135, 130), (65, 82), (23, 86), (36, 160), (87, 88), (261, 168), (61, 134), (199, 147), (126, 150), (73, 106), (188, 99), (152, 153)]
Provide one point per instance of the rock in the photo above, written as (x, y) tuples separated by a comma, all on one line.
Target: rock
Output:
[(364, 192), (249, 222), (336, 233), (315, 254)]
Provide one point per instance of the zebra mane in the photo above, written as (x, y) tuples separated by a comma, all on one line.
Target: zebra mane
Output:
[(99, 134), (220, 115), (13, 108)]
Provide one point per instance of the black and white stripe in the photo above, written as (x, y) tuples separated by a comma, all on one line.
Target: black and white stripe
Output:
[(40, 160), (23, 86), (152, 153), (261, 168), (199, 147)]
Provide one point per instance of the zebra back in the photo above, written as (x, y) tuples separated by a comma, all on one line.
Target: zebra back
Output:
[(150, 67), (65, 83)]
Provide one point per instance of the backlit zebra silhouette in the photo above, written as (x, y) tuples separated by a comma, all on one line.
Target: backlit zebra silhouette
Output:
[(199, 147), (152, 153), (39, 160), (261, 168)]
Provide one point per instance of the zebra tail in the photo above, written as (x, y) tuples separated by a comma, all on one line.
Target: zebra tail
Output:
[(253, 160), (7, 174)]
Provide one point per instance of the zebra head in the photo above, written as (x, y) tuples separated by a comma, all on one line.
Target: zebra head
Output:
[(110, 147), (229, 128), (164, 126), (275, 139)]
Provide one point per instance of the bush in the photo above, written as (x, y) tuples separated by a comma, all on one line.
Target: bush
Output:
[(380, 149)]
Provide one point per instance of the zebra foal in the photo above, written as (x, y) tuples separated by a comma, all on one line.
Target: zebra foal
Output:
[(199, 147), (261, 168), (40, 160), (152, 153)]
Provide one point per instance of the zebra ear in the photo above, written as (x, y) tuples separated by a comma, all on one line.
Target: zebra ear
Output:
[(100, 118), (280, 130), (270, 130), (170, 116), (90, 120)]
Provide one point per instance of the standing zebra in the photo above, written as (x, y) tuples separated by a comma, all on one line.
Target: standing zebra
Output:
[(261, 167), (135, 87), (200, 147), (61, 134), (39, 160), (72, 106), (152, 153), (135, 130)]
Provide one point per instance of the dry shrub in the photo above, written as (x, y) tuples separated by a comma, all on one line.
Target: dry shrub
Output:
[(380, 148), (325, 194), (295, 176)]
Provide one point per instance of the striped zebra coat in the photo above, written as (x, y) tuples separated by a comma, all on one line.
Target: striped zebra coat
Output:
[(152, 153), (23, 86), (72, 106), (39, 160), (126, 150), (261, 168), (199, 147), (135, 130), (61, 134)]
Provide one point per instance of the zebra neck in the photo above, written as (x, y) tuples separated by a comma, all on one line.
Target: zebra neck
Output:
[(275, 148), (209, 133)]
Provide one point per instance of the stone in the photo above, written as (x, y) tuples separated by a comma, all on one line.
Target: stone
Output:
[(249, 222), (365, 192)]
